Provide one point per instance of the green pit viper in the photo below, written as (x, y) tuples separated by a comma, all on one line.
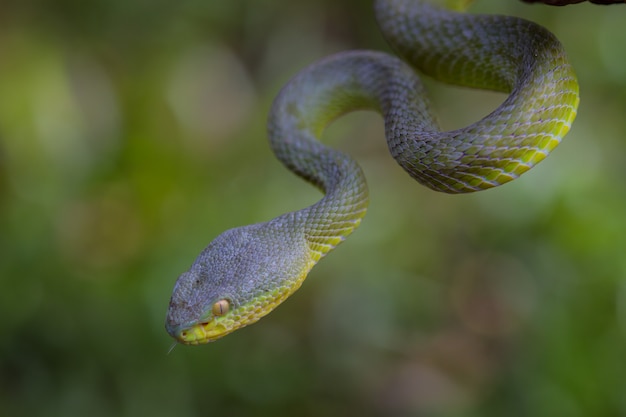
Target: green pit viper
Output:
[(248, 271)]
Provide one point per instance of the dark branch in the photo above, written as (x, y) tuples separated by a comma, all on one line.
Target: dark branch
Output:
[(566, 2)]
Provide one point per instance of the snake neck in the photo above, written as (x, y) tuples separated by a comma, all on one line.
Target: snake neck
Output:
[(328, 222)]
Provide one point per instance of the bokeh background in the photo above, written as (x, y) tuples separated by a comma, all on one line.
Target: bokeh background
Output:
[(133, 132)]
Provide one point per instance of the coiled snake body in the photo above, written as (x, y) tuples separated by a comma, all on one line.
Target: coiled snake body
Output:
[(246, 272)]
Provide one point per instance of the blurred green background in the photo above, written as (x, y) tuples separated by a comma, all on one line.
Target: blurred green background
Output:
[(133, 132)]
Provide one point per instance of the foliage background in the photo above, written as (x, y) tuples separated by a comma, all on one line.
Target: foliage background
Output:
[(133, 132)]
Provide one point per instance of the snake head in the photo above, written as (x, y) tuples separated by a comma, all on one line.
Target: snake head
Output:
[(240, 277), (190, 317)]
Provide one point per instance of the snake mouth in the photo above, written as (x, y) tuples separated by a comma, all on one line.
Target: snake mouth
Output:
[(202, 332)]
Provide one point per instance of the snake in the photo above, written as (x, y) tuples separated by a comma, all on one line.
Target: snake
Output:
[(246, 272)]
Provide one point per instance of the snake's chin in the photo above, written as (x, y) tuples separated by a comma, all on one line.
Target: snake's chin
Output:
[(199, 333)]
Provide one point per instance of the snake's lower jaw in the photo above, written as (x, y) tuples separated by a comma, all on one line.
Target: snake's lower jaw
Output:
[(201, 333), (205, 331)]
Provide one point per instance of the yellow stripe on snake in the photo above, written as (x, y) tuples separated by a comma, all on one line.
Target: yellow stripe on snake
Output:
[(246, 272)]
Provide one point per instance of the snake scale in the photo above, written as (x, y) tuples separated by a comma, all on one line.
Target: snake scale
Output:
[(246, 272)]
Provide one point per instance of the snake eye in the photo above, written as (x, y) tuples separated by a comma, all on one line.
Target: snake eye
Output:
[(220, 308)]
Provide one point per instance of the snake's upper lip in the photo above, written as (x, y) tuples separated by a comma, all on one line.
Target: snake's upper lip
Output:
[(196, 332)]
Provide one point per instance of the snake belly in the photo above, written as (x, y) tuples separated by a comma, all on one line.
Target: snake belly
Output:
[(246, 272)]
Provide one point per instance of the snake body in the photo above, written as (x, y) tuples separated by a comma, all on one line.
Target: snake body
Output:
[(246, 272)]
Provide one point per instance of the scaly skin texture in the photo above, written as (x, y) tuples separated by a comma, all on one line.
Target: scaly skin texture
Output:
[(254, 268)]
